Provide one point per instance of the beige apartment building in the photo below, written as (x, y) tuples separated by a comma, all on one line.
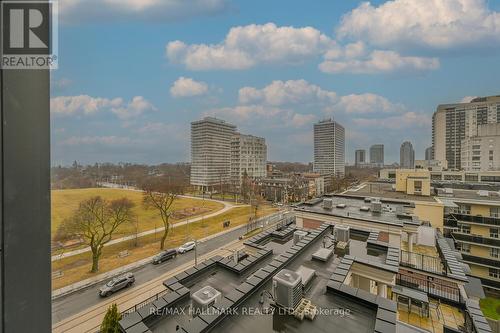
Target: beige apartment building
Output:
[(481, 152), (248, 156), (452, 123)]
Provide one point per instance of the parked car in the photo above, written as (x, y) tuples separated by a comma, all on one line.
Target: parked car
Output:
[(164, 256), (186, 247), (118, 283)]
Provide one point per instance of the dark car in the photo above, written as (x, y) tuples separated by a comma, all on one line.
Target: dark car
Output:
[(118, 283), (164, 256)]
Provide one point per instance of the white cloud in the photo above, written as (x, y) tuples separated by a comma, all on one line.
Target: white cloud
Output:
[(437, 24), (78, 11), (87, 105), (467, 99), (408, 119), (93, 140), (247, 46), (187, 87), (367, 103), (286, 92), (379, 62)]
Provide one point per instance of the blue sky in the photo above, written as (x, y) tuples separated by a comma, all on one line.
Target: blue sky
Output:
[(134, 73)]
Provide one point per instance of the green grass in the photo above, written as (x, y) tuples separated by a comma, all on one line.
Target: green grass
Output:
[(491, 307), (65, 202)]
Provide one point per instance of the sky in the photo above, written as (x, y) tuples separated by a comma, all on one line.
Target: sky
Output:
[(133, 74)]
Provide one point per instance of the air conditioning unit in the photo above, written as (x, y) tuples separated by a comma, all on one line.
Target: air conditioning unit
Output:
[(364, 208), (298, 235), (287, 288), (342, 233), (327, 203), (204, 298), (376, 206), (341, 205)]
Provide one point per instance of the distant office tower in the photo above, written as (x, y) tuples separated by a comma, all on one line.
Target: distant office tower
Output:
[(329, 148), (377, 155), (451, 123), (248, 155), (428, 154), (407, 156), (211, 152), (359, 157), (481, 152)]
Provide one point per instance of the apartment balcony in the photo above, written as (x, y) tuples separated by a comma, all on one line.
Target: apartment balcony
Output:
[(486, 220), (476, 239), (491, 262)]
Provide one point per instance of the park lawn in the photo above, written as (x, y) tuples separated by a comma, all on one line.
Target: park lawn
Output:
[(65, 202), (77, 268), (490, 307)]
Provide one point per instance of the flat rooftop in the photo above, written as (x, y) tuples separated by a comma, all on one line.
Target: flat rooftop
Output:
[(384, 190), (392, 211), (251, 316), (449, 194)]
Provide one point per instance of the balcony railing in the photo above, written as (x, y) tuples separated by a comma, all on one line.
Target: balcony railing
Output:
[(422, 262), (480, 260), (493, 221), (432, 287), (476, 239)]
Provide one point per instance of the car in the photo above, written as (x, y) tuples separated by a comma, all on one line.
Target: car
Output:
[(117, 283), (164, 256), (186, 247)]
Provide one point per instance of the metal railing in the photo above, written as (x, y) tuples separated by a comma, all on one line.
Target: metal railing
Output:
[(144, 303), (493, 221), (433, 287), (422, 262), (476, 239)]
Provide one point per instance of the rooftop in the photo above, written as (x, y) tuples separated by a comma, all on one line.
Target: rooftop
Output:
[(358, 207), (385, 190)]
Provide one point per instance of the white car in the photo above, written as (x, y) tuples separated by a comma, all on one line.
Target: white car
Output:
[(186, 247)]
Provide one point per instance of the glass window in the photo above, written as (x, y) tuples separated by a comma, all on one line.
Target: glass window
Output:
[(495, 211), (494, 232), (494, 273), (494, 252)]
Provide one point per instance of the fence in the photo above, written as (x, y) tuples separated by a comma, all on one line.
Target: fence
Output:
[(432, 286), (422, 262)]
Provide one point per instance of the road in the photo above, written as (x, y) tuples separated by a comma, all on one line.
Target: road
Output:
[(227, 206), (76, 303)]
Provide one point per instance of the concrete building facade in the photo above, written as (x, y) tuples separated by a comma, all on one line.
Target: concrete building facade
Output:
[(407, 155), (377, 155), (329, 148), (482, 151), (452, 123), (248, 155), (359, 157), (211, 152)]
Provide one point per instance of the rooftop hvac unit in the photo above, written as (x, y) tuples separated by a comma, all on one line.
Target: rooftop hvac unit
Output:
[(448, 190), (287, 288), (327, 203), (368, 200), (342, 233), (204, 298), (341, 205), (298, 235), (483, 193), (376, 206), (364, 208)]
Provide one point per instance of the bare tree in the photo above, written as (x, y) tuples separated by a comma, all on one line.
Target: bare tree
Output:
[(161, 200), (96, 220)]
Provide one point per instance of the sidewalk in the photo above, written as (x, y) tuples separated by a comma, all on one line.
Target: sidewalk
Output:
[(227, 207)]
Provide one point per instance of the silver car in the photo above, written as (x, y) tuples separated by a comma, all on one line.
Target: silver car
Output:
[(186, 247), (118, 283)]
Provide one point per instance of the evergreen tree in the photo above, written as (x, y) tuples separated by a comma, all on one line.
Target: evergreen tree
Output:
[(111, 319)]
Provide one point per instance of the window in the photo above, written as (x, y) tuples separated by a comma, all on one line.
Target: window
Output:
[(495, 211), (463, 228), (494, 232), (463, 247), (494, 273), (464, 209), (494, 252)]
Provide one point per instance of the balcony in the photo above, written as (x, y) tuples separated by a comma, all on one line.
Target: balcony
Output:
[(492, 221), (481, 261), (476, 239)]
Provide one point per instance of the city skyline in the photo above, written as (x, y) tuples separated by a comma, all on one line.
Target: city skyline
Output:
[(381, 87)]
